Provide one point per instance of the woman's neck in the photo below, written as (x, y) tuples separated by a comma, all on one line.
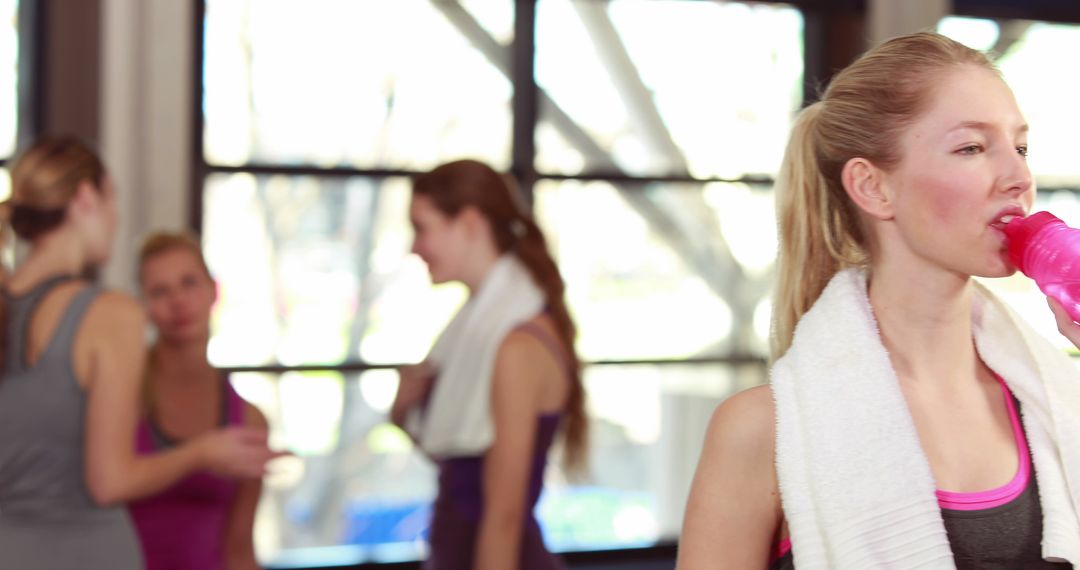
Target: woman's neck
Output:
[(181, 362), (924, 320), (53, 254), (480, 266)]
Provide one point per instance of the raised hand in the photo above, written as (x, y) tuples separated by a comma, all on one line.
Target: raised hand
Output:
[(414, 384), (236, 452), (1065, 324)]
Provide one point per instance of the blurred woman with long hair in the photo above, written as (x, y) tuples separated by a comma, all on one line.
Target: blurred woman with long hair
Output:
[(501, 382)]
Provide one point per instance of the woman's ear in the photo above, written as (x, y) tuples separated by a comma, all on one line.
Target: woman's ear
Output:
[(85, 198), (867, 186), (475, 223)]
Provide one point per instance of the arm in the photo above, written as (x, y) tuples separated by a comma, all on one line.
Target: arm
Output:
[(414, 383), (112, 340), (733, 511), (239, 543), (515, 387)]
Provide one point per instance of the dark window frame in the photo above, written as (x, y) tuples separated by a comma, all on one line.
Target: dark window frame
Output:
[(833, 37)]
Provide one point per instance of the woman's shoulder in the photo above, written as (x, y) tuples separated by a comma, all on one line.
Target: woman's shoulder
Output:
[(744, 425), (253, 416), (114, 316), (532, 340), (734, 506), (105, 309), (112, 305)]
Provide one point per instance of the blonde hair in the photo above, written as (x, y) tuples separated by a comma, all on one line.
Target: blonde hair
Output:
[(44, 178), (161, 242), (862, 113), (153, 245)]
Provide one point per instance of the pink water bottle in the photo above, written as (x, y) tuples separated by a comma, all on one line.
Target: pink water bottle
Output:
[(1048, 251)]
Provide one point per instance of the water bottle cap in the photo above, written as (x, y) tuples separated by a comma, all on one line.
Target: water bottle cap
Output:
[(1020, 230)]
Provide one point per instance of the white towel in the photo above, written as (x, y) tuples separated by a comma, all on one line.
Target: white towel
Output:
[(457, 419), (856, 487)]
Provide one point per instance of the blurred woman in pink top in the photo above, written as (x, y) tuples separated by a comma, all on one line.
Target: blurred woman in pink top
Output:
[(204, 521)]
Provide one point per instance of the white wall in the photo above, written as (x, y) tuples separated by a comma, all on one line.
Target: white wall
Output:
[(146, 120)]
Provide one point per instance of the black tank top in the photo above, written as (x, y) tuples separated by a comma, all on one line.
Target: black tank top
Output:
[(1006, 537)]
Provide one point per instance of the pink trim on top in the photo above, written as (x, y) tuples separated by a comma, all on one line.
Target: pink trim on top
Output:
[(781, 549), (980, 500), (1007, 492)]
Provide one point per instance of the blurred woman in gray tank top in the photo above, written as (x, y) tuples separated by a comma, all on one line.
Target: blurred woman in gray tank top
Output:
[(72, 358)]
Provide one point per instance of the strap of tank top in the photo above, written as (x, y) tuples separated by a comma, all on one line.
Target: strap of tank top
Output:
[(63, 339), (21, 309), (549, 342)]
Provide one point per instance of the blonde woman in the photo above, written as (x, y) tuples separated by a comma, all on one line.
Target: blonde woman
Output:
[(203, 521), (912, 419), (73, 357)]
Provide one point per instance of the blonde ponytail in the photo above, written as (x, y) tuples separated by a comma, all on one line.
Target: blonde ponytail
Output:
[(819, 230)]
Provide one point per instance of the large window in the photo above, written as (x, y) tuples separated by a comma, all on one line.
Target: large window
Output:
[(9, 109), (9, 87), (666, 87), (354, 83), (651, 180)]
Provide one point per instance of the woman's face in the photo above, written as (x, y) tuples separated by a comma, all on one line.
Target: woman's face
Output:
[(441, 241), (178, 295), (963, 168)]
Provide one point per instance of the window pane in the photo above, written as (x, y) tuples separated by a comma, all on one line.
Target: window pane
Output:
[(676, 270), (9, 77), (369, 84), (617, 99), (1029, 55), (357, 491), (317, 270), (647, 427)]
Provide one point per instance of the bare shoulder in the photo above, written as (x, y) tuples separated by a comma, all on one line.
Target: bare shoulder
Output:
[(744, 423), (111, 341), (115, 323), (253, 417), (740, 444), (733, 511), (518, 359), (111, 308), (526, 353), (524, 369), (519, 345)]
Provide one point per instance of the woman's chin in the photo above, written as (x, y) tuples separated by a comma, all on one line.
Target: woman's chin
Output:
[(183, 338), (1001, 269)]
